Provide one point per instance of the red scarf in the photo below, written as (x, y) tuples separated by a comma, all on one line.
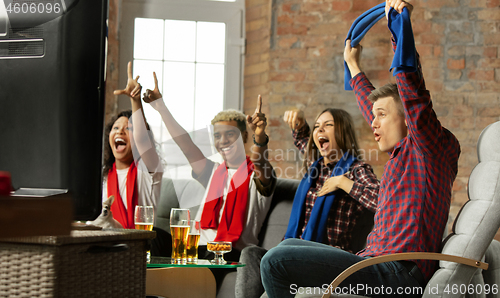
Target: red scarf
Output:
[(234, 214), (123, 215)]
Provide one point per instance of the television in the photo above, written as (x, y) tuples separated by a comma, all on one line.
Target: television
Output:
[(52, 79)]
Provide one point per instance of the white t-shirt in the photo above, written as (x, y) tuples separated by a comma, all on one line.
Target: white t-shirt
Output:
[(148, 186), (257, 208)]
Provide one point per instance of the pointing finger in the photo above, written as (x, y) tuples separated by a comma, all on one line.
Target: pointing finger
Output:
[(156, 80), (259, 104), (129, 69)]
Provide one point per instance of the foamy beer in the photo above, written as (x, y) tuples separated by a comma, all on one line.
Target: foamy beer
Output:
[(179, 229), (192, 241)]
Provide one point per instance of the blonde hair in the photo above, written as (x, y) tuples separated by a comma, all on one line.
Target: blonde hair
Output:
[(232, 115)]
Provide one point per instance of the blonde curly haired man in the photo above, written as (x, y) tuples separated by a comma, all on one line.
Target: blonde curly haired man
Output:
[(239, 190)]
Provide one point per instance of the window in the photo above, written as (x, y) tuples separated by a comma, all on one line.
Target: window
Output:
[(196, 49), (189, 59)]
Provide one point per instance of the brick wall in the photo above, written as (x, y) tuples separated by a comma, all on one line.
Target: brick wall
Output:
[(294, 53), (257, 54)]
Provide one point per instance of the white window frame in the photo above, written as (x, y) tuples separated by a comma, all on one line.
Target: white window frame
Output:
[(231, 13)]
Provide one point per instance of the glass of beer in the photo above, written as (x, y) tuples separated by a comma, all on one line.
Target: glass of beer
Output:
[(192, 241), (179, 229), (144, 218)]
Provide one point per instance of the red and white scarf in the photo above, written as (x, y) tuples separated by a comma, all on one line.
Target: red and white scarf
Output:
[(234, 214), (123, 215)]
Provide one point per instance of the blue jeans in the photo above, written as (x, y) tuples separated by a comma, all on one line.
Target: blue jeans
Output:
[(298, 263)]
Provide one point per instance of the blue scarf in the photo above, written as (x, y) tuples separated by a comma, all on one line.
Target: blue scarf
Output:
[(400, 26), (405, 56), (316, 226)]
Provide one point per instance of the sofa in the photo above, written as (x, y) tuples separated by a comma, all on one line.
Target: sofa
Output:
[(180, 192)]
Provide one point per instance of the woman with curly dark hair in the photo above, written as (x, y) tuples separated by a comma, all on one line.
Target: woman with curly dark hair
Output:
[(132, 170)]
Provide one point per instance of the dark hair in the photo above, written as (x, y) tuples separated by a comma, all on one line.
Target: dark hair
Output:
[(109, 158), (388, 90), (345, 136)]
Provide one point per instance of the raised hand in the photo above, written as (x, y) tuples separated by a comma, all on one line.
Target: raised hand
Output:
[(295, 118), (133, 88), (152, 95), (352, 57), (398, 5), (258, 121)]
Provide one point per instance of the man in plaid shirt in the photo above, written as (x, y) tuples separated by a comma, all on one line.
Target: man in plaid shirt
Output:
[(414, 198)]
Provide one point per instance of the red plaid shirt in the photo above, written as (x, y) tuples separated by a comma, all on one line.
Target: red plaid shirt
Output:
[(415, 189), (347, 208)]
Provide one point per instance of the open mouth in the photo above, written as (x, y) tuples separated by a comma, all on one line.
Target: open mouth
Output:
[(120, 144), (323, 143), (377, 137)]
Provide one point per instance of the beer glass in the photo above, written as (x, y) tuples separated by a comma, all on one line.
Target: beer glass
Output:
[(179, 229), (192, 241), (144, 218)]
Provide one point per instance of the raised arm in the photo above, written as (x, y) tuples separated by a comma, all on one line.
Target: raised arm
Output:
[(360, 83), (143, 140), (423, 125), (181, 137), (259, 156)]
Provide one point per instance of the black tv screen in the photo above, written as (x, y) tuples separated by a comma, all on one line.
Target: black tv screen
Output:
[(52, 72)]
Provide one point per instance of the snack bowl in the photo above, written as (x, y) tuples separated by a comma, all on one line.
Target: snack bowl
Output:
[(219, 248)]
